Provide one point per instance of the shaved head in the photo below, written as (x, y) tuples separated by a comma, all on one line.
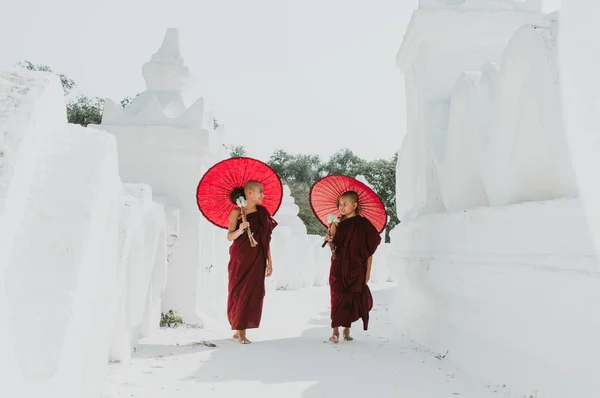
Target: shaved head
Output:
[(252, 184), (351, 196)]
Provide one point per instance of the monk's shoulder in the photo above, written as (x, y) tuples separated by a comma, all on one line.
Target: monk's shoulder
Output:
[(368, 225), (264, 210), (235, 213)]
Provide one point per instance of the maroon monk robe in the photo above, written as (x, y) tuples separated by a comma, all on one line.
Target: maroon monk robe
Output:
[(246, 270), (356, 239)]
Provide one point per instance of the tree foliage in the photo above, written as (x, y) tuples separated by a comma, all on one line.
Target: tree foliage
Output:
[(300, 171), (82, 110), (85, 110), (237, 150), (67, 83)]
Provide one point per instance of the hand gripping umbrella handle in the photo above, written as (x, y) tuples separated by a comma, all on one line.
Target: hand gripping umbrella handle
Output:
[(250, 237)]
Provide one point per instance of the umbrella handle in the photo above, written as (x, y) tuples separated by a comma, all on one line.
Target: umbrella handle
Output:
[(331, 247), (250, 236), (328, 233)]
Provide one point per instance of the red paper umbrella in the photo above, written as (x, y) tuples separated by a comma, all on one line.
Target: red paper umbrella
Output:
[(324, 195), (217, 184)]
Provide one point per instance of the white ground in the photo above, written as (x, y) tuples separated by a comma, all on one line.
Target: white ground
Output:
[(289, 357)]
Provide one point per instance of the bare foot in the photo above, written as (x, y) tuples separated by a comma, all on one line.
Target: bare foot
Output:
[(335, 337), (244, 340), (240, 336), (347, 335)]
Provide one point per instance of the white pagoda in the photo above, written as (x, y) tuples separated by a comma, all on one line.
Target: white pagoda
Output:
[(169, 145)]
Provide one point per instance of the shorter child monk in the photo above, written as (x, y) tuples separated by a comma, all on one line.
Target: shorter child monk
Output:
[(355, 240)]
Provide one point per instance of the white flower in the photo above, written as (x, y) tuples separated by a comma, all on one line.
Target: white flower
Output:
[(332, 218)]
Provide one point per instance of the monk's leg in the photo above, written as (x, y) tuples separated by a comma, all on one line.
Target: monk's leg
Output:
[(347, 334), (335, 336)]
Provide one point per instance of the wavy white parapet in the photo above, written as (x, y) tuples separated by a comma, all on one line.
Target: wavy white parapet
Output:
[(32, 112), (142, 269), (287, 256), (442, 139), (504, 142), (294, 268), (484, 284), (470, 113), (62, 265), (379, 267), (525, 158), (322, 260), (405, 195), (469, 5), (287, 215), (149, 110), (579, 58)]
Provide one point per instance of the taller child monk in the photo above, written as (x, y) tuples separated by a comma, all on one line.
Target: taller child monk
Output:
[(355, 240), (248, 265)]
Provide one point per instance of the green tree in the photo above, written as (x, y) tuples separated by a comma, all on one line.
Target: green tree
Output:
[(85, 110), (67, 83), (381, 175), (304, 169), (299, 172), (237, 150), (128, 100), (300, 192), (345, 162)]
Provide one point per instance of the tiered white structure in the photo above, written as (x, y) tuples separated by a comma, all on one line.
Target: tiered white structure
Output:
[(292, 254), (63, 240), (168, 145), (83, 257), (142, 269), (493, 254), (579, 56)]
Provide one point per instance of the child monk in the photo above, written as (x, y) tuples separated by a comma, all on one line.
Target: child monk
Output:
[(355, 240), (248, 265)]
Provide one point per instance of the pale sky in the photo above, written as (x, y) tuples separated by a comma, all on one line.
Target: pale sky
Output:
[(310, 76)]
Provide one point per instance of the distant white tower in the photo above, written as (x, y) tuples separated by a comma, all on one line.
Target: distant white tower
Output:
[(168, 145)]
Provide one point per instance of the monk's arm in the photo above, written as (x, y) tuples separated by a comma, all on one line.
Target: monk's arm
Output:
[(329, 238), (369, 261), (232, 232), (269, 264)]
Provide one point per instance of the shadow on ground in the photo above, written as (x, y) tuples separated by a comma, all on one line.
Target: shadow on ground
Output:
[(372, 363)]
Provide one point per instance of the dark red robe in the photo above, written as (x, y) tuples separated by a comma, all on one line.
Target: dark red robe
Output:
[(356, 239), (246, 270)]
